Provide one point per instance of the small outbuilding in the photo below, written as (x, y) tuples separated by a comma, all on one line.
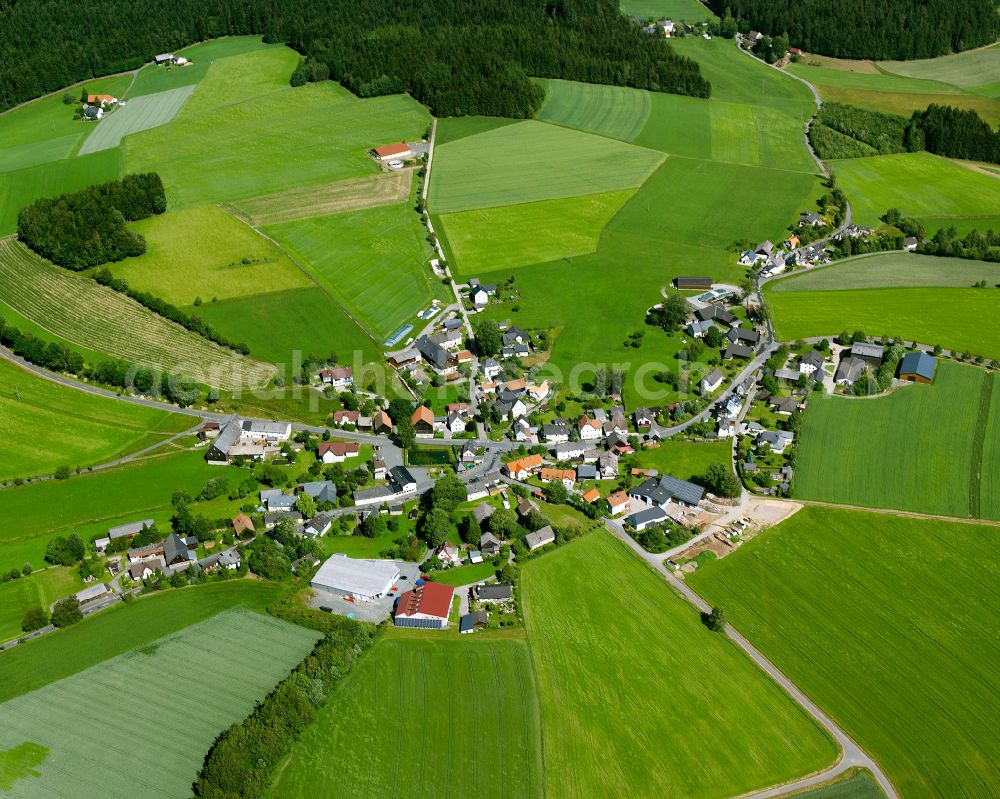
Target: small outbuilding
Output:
[(917, 367)]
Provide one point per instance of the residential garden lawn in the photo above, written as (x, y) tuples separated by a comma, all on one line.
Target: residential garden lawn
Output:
[(684, 459), (610, 701), (39, 590), (617, 112), (24, 186), (892, 270), (962, 319), (200, 252), (91, 503), (152, 78), (459, 717), (464, 575), (111, 632), (976, 70), (519, 235), (236, 657), (532, 161), (45, 425), (373, 262), (839, 602), (858, 784), (229, 143), (62, 303), (920, 185), (909, 450), (142, 113), (455, 128), (690, 11)]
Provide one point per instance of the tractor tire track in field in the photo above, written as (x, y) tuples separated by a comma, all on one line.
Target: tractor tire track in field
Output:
[(978, 442)]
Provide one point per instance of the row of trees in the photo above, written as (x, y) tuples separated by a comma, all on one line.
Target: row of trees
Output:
[(974, 245), (463, 58), (86, 228)]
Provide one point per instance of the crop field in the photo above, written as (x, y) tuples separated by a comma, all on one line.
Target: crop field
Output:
[(592, 610), (142, 113), (455, 128), (920, 185), (688, 10), (34, 153), (865, 451), (23, 187), (45, 425), (475, 700), (894, 612), (91, 503), (613, 111), (234, 658), (989, 470), (975, 70), (373, 262), (489, 239), (893, 270), (353, 194), (229, 143), (532, 161), (152, 79), (37, 591), (63, 303), (204, 252)]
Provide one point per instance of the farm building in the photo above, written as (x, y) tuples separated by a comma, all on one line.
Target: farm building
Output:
[(494, 592), (381, 423), (93, 593), (693, 283), (129, 530), (426, 606), (93, 112), (388, 152), (365, 580), (666, 489), (917, 367), (163, 58), (870, 353), (423, 421), (101, 99), (403, 481), (473, 621), (646, 518), (540, 538)]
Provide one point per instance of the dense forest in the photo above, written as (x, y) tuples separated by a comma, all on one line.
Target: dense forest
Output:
[(955, 133), (879, 29), (456, 56), (86, 228)]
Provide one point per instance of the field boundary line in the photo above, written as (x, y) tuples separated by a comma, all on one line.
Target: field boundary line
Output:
[(978, 444), (912, 514)]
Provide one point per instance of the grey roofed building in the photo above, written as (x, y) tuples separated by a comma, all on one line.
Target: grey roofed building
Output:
[(132, 528), (493, 592), (813, 358), (482, 512), (698, 328), (489, 544), (540, 538), (555, 430), (764, 248), (663, 489), (267, 493), (569, 449), (918, 364), (645, 518), (783, 404), (369, 495), (849, 369), (734, 350), (402, 479), (868, 352), (781, 374), (470, 621), (218, 450), (320, 523), (526, 506), (776, 439), (744, 335), (271, 431), (718, 313), (175, 550), (514, 335), (229, 558), (432, 352), (281, 502), (586, 472), (321, 490), (271, 519)]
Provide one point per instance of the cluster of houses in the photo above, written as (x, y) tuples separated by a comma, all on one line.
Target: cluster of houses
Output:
[(244, 439), (169, 59), (667, 28), (379, 423), (440, 353), (455, 421), (484, 598), (97, 104)]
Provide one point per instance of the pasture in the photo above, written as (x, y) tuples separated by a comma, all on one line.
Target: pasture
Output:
[(374, 262), (617, 112), (204, 252), (893, 270), (881, 620), (975, 70), (989, 482), (152, 79), (612, 704), (235, 658), (45, 425), (507, 236), (684, 459), (455, 128), (38, 590), (690, 11), (63, 302), (458, 717), (908, 451), (142, 113), (920, 185), (532, 161)]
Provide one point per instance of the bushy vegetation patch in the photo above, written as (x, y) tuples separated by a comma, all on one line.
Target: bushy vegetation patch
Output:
[(871, 132)]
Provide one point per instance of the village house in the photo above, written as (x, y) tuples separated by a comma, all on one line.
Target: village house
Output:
[(522, 468), (423, 421), (493, 592), (807, 219), (448, 554), (342, 418), (811, 364), (341, 377), (556, 431), (569, 450), (489, 545), (777, 440), (337, 451), (319, 525), (618, 502), (607, 465), (540, 538), (590, 429), (381, 423), (712, 381), (663, 490), (849, 370), (551, 474), (490, 368), (242, 525), (646, 518)]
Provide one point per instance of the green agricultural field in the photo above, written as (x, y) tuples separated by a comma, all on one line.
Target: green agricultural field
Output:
[(856, 785), (509, 236), (690, 11), (457, 717), (374, 262), (893, 270), (455, 128), (551, 162), (962, 319), (880, 620), (39, 590), (45, 425), (612, 705), (142, 113), (614, 111), (35, 153), (63, 302), (678, 125), (235, 658), (975, 70), (152, 79), (989, 474), (684, 459), (91, 503), (920, 185), (24, 186), (865, 451), (204, 252), (229, 144)]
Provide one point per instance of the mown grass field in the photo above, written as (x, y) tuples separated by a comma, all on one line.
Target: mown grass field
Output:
[(893, 270), (532, 161), (888, 624), (989, 475), (617, 112), (38, 663), (508, 236), (235, 659), (38, 590), (455, 128), (374, 262), (688, 10), (457, 717), (975, 70), (909, 450), (45, 425), (920, 185), (63, 302), (613, 705), (142, 113), (684, 459), (152, 79)]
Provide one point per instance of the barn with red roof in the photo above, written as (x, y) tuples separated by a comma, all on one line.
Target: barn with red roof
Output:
[(427, 607)]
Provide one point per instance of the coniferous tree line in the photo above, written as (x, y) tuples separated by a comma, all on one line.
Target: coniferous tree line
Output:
[(878, 29), (85, 228), (456, 56), (953, 132)]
